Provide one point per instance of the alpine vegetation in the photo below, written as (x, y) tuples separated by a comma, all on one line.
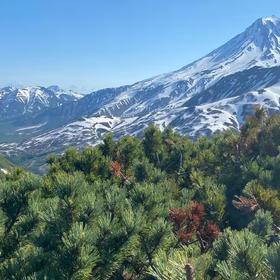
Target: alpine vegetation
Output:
[(163, 207)]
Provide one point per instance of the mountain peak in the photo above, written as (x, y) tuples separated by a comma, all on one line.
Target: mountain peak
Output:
[(258, 45), (54, 88), (264, 34), (270, 20), (265, 23), (271, 23)]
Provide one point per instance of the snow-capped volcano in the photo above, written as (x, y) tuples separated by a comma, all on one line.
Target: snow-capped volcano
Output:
[(258, 45), (213, 93)]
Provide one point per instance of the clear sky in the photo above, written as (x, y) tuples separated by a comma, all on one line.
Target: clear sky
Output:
[(102, 43)]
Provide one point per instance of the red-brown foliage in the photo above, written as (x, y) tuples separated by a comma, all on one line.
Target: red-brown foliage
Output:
[(209, 232), (190, 222), (178, 217), (116, 169), (184, 236)]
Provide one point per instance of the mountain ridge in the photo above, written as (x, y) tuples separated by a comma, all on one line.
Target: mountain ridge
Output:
[(28, 100)]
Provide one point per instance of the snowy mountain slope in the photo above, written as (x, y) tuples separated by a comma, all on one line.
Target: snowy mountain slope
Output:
[(226, 113), (216, 92), (65, 95), (224, 108), (79, 133)]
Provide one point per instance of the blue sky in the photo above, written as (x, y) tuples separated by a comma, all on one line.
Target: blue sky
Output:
[(102, 43)]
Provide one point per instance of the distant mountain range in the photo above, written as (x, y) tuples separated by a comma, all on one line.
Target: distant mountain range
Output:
[(15, 102), (214, 93)]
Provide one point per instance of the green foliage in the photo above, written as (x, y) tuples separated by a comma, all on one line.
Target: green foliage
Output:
[(172, 266), (262, 224), (273, 259), (211, 195), (245, 258), (153, 145), (124, 210), (267, 198)]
